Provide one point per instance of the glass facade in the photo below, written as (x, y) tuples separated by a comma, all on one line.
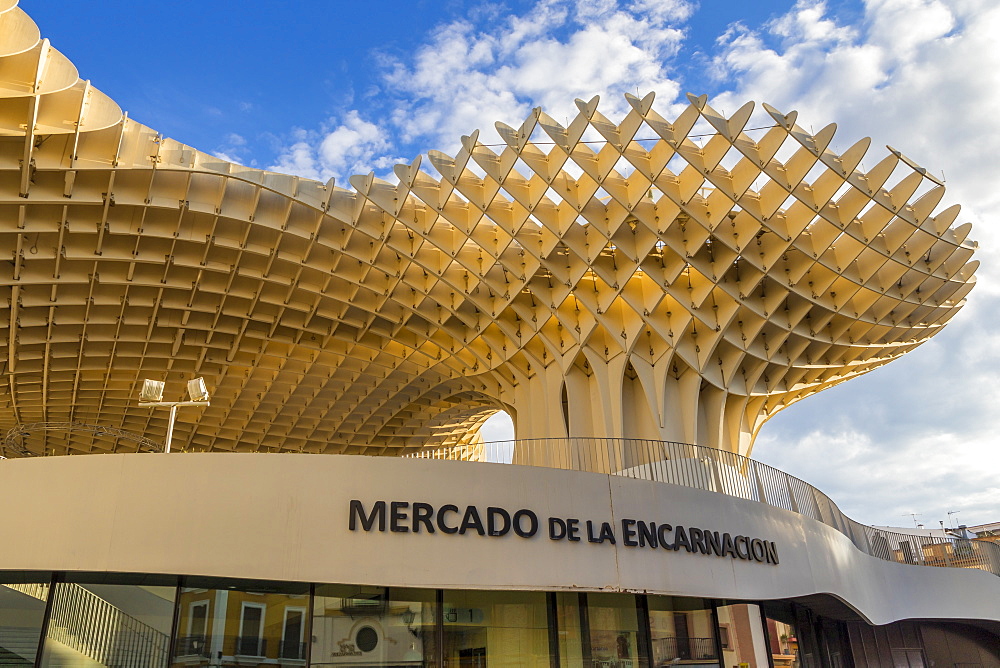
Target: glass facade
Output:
[(130, 621), (134, 621)]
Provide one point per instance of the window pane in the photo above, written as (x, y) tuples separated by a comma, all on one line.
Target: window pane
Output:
[(795, 639), (747, 642), (293, 635), (682, 631), (373, 626), (124, 626), (495, 628), (568, 621), (22, 609), (250, 641), (240, 624), (614, 626)]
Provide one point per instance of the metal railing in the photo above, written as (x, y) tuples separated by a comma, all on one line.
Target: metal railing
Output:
[(36, 590), (255, 646), (728, 473), (90, 625), (292, 649), (683, 647), (191, 646)]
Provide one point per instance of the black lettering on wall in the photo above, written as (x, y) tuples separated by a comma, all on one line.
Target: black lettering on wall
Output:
[(492, 513), (367, 522), (398, 515), (661, 533), (697, 542), (607, 534), (647, 534), (423, 514), (471, 521), (406, 516), (445, 528), (681, 539), (727, 546), (628, 533), (743, 553), (519, 525), (713, 542)]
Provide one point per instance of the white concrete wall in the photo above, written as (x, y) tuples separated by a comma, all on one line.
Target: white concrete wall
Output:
[(285, 517)]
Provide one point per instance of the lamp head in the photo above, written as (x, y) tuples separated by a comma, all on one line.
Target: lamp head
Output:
[(152, 390), (197, 390)]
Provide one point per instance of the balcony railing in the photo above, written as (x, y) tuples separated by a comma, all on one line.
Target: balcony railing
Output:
[(191, 646), (292, 649), (251, 646), (683, 648), (724, 472)]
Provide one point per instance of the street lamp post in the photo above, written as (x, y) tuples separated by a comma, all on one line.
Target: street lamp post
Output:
[(152, 393)]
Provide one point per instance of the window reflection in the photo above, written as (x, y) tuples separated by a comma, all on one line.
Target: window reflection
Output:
[(613, 621), (742, 635), (797, 639), (108, 625), (682, 631), (236, 625), (783, 643), (495, 628), (373, 626), (568, 623), (22, 609)]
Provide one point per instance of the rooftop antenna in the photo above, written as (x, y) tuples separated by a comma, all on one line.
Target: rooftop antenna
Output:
[(950, 513), (914, 516)]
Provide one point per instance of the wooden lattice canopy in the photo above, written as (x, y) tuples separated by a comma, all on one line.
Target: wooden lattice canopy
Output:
[(648, 278)]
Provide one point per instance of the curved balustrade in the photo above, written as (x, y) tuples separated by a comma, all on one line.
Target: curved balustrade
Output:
[(726, 473)]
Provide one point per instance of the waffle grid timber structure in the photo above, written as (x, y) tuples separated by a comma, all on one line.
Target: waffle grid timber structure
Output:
[(621, 280)]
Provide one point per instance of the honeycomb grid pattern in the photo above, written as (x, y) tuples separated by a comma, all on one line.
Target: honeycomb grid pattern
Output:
[(635, 279)]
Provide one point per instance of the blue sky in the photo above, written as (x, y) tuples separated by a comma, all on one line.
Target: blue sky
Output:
[(328, 89), (206, 73)]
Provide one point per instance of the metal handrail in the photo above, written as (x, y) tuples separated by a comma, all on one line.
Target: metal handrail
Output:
[(97, 629), (714, 470)]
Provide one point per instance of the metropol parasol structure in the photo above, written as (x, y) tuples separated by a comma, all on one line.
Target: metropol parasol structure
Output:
[(636, 277)]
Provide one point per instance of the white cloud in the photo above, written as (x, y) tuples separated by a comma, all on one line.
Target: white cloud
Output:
[(350, 146), (233, 149), (927, 475), (922, 76), (467, 76)]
